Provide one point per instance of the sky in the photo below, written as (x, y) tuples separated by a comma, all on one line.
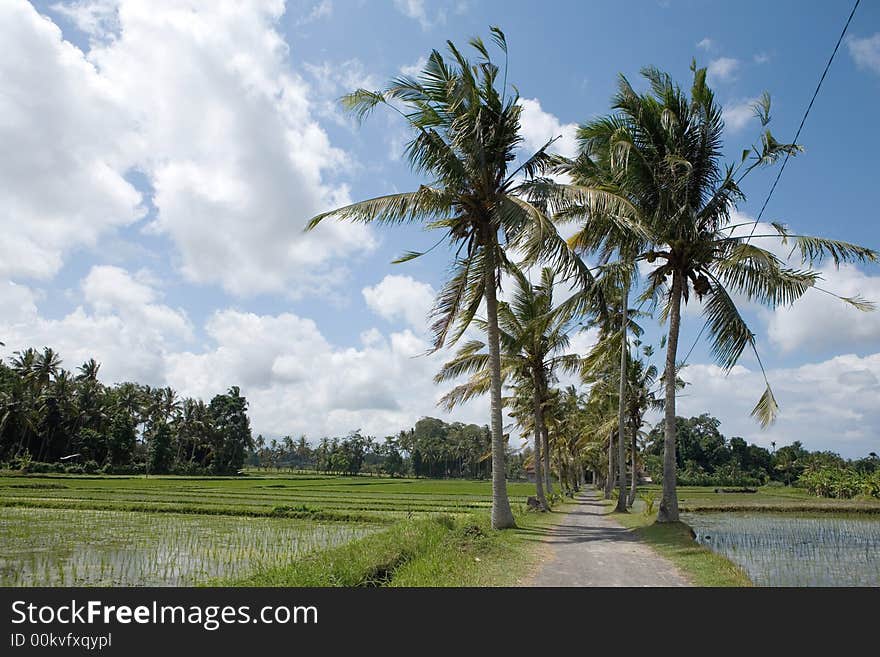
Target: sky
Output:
[(162, 157)]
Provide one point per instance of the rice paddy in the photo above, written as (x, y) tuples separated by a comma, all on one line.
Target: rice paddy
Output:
[(795, 550), (179, 531), (65, 547)]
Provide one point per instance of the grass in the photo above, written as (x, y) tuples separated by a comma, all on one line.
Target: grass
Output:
[(418, 532), (64, 547), (437, 551), (783, 499), (369, 499), (674, 541)]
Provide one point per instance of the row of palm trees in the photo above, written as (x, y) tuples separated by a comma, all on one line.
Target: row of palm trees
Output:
[(651, 201)]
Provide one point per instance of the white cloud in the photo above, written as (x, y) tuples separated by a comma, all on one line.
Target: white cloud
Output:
[(866, 52), (336, 78), (416, 10), (723, 68), (539, 126), (706, 44), (297, 382), (62, 182), (416, 68), (761, 58), (237, 162), (401, 298), (818, 321), (321, 10), (215, 119), (97, 18), (121, 323), (738, 114), (826, 405)]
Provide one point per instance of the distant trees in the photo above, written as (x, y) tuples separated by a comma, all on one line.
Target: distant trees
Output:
[(432, 448), (54, 420), (707, 458)]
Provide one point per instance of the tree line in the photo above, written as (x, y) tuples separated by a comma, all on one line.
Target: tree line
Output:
[(431, 448), (707, 458), (56, 420)]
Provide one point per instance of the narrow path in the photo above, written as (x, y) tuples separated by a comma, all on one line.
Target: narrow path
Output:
[(588, 548)]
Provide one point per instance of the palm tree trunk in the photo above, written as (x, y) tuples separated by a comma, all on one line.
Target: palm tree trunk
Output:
[(502, 516), (548, 471), (609, 477), (634, 480), (669, 502), (539, 431), (621, 410)]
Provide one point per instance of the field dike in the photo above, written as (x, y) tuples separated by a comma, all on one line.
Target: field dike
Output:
[(299, 512), (374, 560)]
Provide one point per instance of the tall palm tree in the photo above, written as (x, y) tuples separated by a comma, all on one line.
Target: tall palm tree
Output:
[(466, 134), (533, 337), (674, 193)]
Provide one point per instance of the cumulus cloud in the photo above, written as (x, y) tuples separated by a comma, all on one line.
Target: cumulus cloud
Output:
[(216, 120), (233, 153), (827, 405), (737, 115), (540, 126), (866, 52), (706, 44), (297, 382), (401, 298), (62, 174), (723, 68), (818, 321), (415, 68), (416, 10), (121, 322)]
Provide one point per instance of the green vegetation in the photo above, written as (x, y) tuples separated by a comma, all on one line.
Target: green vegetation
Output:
[(440, 550), (706, 458), (702, 566), (307, 495), (108, 531), (52, 420), (65, 547), (774, 498)]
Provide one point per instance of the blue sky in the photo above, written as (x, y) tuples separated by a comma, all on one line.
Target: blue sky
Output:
[(164, 157)]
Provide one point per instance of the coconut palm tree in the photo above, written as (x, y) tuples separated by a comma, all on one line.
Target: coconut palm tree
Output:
[(466, 136), (673, 193), (533, 336)]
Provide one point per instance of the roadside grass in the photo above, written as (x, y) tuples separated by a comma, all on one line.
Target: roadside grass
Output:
[(701, 566), (473, 554), (438, 551)]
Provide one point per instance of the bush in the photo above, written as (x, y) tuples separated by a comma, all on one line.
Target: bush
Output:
[(841, 483)]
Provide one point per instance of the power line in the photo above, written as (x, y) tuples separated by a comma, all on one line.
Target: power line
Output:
[(806, 114)]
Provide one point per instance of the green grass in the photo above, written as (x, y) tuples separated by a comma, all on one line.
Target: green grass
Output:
[(407, 546), (317, 497), (675, 542), (766, 498), (436, 551)]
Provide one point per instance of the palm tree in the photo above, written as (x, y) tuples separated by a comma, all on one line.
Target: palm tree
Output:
[(643, 397), (533, 336), (674, 194), (466, 134)]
